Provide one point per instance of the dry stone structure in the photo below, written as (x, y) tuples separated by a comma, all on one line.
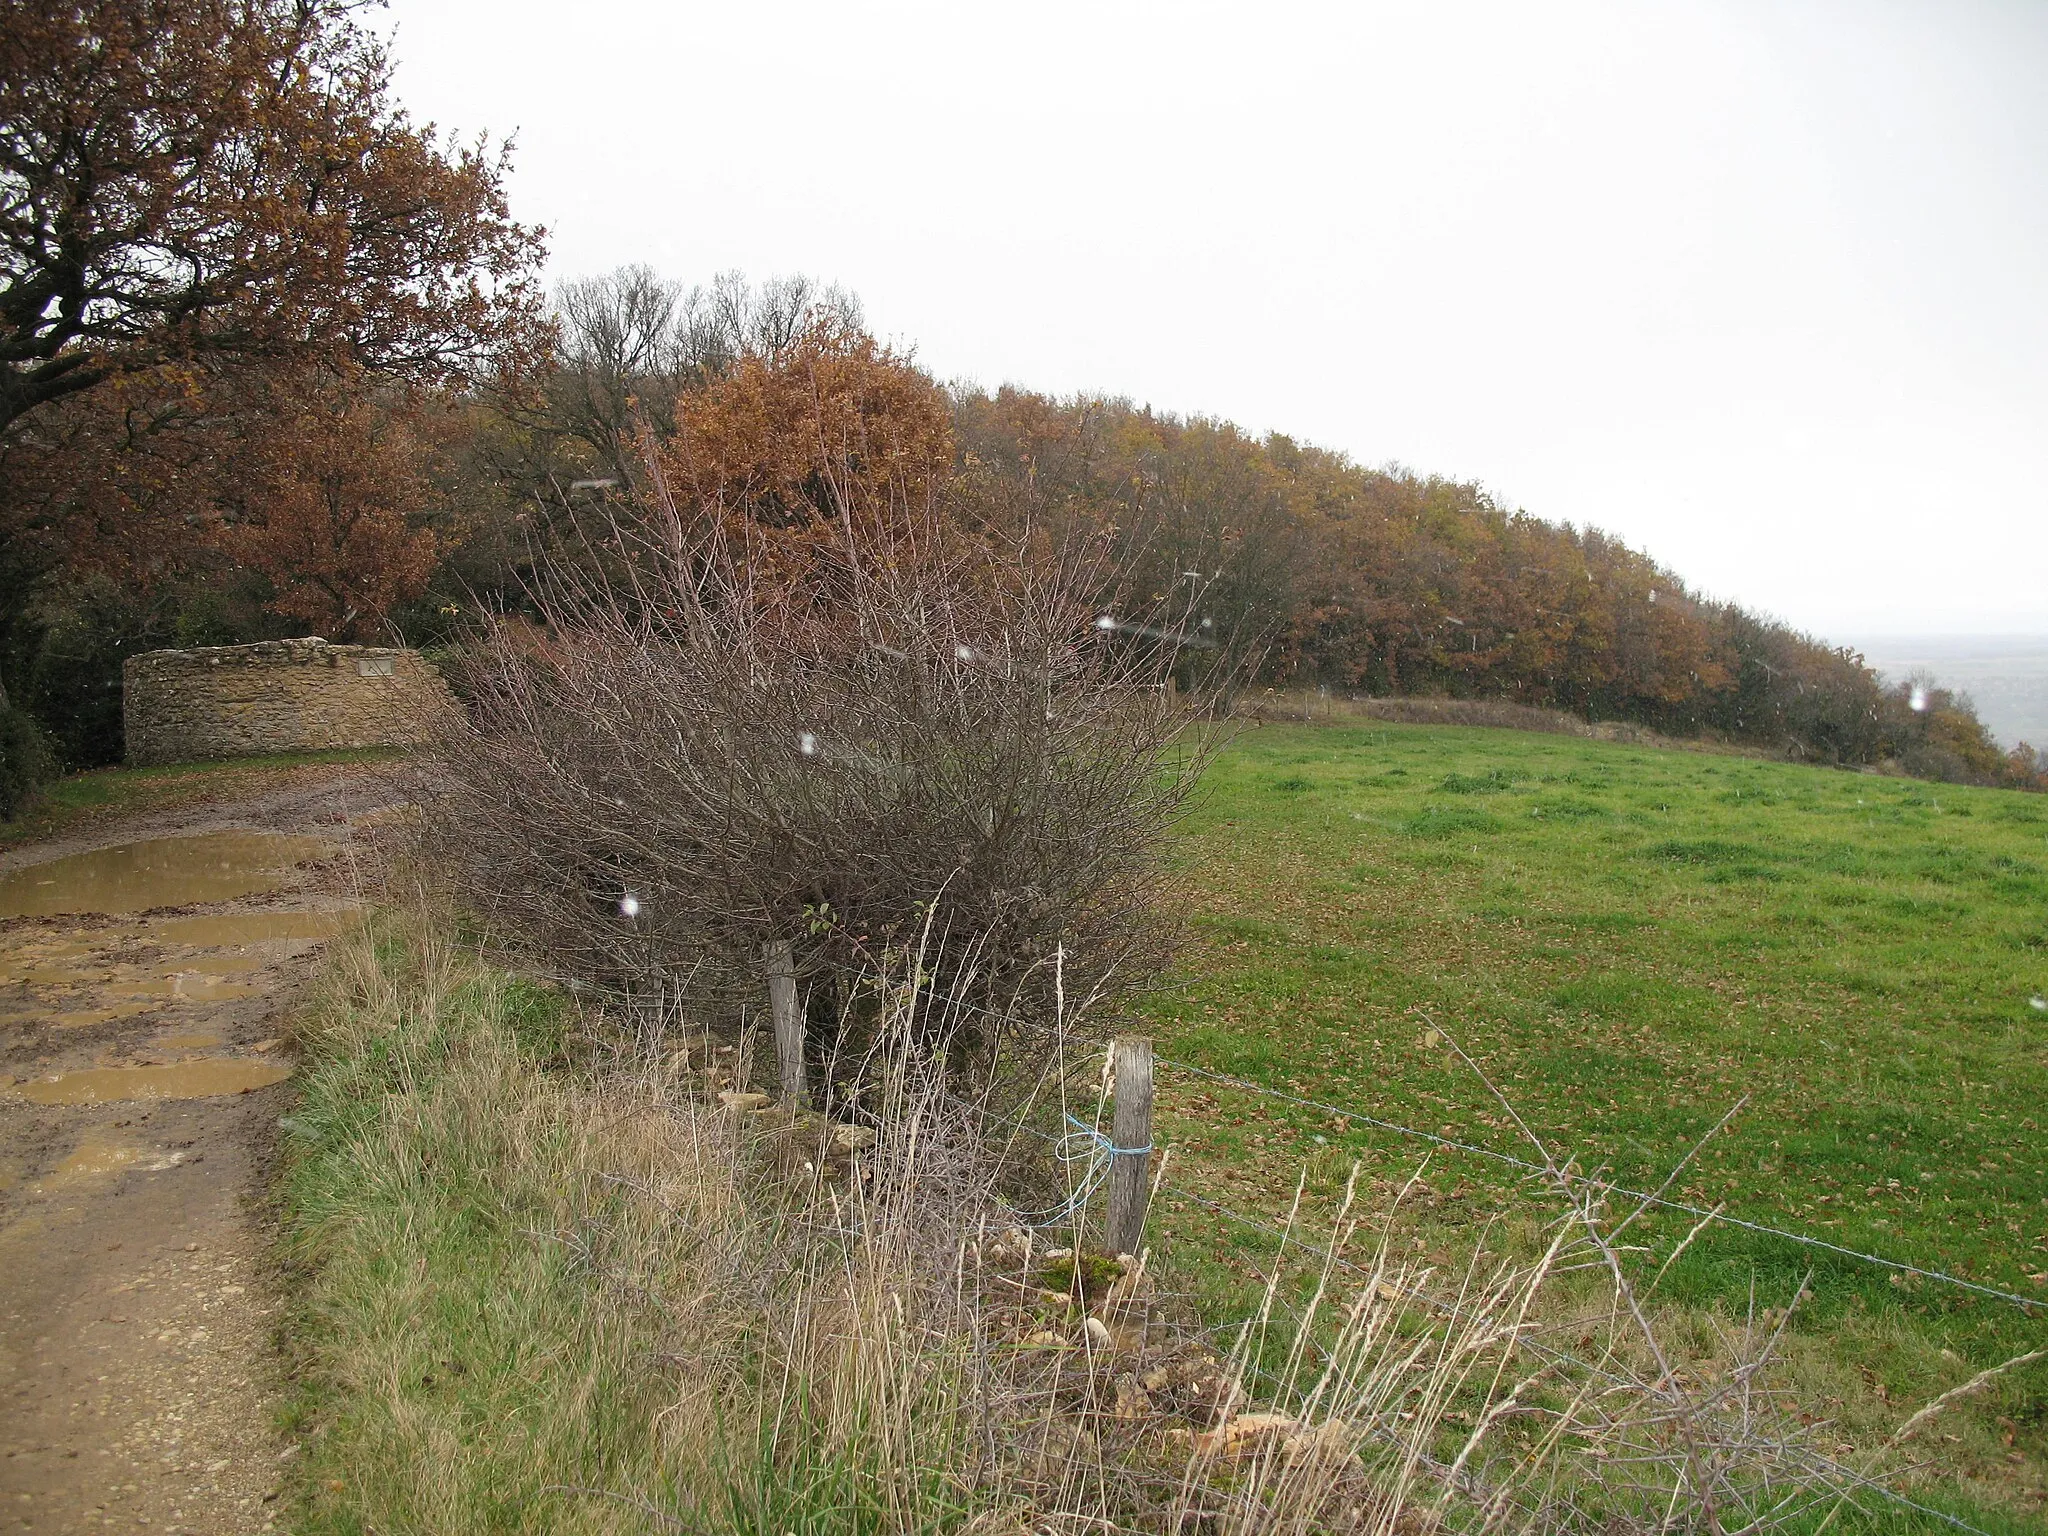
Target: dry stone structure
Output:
[(276, 696)]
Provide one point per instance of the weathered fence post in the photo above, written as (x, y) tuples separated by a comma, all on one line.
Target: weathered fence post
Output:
[(789, 1019), (1130, 1185)]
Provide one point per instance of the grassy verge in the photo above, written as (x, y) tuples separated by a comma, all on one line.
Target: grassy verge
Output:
[(543, 1283), (81, 800), (1628, 941), (539, 1289), (458, 1372)]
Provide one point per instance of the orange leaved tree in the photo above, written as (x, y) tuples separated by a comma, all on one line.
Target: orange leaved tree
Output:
[(832, 427)]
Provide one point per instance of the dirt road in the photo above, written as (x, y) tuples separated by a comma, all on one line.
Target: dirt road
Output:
[(144, 974)]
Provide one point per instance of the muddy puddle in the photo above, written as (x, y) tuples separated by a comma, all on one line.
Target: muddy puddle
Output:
[(227, 944), (162, 872), (82, 1018), (205, 1079), (234, 928), (203, 982), (97, 1155), (187, 986)]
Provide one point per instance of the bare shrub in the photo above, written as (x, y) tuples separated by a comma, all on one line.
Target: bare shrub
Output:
[(717, 740)]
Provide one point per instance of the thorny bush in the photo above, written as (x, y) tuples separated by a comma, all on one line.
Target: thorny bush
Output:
[(922, 727)]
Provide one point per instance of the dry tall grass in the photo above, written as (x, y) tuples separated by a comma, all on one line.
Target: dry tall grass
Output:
[(551, 1282)]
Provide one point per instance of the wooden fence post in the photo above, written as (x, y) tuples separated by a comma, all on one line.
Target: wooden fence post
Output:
[(789, 1020), (1130, 1183)]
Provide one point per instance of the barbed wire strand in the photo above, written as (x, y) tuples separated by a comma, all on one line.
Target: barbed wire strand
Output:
[(1556, 1357), (1561, 1358), (2025, 1303), (2028, 1305)]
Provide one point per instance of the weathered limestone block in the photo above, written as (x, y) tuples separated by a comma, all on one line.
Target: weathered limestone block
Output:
[(276, 696)]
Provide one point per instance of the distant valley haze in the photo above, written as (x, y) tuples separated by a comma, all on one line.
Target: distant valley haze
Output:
[(2006, 676), (1762, 288)]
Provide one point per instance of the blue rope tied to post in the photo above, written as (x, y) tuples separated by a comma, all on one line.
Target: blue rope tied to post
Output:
[(1083, 1143)]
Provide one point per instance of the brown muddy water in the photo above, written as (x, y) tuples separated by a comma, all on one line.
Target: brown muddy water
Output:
[(95, 1155), (174, 1080), (190, 960), (248, 927), (162, 872)]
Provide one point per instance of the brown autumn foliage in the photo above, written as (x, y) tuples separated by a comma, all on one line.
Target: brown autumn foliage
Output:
[(1315, 570), (233, 276), (333, 504), (1383, 583), (320, 483), (228, 179), (831, 427)]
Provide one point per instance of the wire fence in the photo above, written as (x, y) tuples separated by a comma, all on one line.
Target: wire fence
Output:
[(1086, 1158), (1568, 1364), (2030, 1306), (1840, 1473), (1837, 1471), (1087, 1155)]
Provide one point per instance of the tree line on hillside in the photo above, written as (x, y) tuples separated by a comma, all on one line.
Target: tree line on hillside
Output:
[(1382, 582), (277, 361)]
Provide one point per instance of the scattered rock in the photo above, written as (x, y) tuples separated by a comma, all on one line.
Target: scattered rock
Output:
[(1131, 1400), (1013, 1247), (1248, 1433), (852, 1138)]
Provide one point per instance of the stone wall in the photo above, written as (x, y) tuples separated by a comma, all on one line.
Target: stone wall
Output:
[(276, 696)]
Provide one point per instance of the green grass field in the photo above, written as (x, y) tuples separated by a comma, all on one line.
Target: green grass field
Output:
[(1628, 941)]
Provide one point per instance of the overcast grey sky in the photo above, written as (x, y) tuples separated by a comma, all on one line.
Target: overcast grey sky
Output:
[(1761, 287)]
